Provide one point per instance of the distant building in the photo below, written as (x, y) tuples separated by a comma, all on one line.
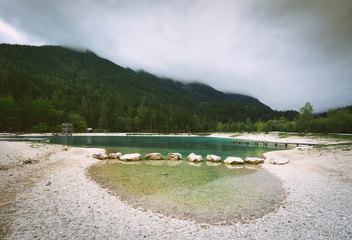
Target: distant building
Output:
[(89, 130)]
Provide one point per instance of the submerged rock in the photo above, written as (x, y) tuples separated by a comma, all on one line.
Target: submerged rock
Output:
[(254, 160), (174, 156), (278, 161), (213, 164), (213, 158), (115, 155), (131, 157), (233, 160), (154, 156), (194, 158), (100, 156)]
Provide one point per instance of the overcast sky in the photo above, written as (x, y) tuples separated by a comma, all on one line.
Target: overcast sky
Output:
[(283, 52)]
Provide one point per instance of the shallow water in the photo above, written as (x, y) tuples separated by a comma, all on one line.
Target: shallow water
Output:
[(202, 192), (205, 192)]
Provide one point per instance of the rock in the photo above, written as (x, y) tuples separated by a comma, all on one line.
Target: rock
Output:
[(100, 156), (154, 163), (154, 156), (195, 164), (233, 160), (131, 157), (278, 161), (213, 164), (254, 160), (194, 158), (115, 155), (174, 156), (213, 158), (234, 166)]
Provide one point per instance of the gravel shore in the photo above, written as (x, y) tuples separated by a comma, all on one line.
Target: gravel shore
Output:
[(46, 194)]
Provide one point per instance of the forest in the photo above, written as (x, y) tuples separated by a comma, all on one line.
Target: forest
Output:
[(42, 87)]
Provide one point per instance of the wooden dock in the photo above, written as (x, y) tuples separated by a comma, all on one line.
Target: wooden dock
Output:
[(25, 139), (266, 143)]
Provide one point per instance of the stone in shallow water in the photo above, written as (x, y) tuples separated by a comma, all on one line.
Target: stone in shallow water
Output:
[(174, 156), (213, 158), (115, 155), (154, 156), (279, 161), (100, 156), (194, 158), (233, 160), (131, 157), (254, 160)]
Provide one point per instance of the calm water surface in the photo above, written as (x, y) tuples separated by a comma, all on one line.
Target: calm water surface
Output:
[(205, 192), (165, 145)]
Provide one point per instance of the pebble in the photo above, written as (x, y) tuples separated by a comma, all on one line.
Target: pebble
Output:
[(303, 214)]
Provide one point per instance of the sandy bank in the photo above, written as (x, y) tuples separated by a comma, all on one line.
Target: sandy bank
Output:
[(52, 198)]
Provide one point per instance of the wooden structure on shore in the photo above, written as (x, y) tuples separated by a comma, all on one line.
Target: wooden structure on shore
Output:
[(266, 143), (25, 139), (66, 129)]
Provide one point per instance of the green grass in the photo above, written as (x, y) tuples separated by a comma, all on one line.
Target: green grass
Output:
[(236, 135), (286, 134), (337, 137)]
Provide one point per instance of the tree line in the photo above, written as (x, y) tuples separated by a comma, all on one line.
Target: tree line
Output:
[(333, 121), (42, 87)]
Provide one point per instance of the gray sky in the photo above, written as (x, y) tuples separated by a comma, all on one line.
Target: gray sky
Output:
[(283, 52)]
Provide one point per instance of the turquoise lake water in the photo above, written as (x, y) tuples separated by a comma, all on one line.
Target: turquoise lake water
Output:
[(164, 145), (204, 192)]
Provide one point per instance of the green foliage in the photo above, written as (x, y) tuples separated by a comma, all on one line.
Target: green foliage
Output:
[(305, 117), (10, 114), (41, 127), (42, 87), (260, 126)]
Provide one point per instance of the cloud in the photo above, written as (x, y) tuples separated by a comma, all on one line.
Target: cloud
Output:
[(9, 34), (283, 52)]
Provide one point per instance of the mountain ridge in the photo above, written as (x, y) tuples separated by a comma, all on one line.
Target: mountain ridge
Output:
[(81, 87), (204, 91)]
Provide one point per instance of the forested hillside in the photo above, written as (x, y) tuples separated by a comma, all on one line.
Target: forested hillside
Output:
[(42, 87)]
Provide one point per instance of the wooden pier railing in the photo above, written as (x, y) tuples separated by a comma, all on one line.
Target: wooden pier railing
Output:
[(266, 143)]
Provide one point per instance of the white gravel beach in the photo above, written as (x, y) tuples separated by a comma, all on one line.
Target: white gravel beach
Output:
[(46, 194)]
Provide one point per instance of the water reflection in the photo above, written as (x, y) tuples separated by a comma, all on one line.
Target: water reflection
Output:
[(165, 145), (197, 191)]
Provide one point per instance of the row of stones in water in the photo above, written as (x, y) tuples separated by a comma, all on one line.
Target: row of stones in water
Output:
[(178, 156)]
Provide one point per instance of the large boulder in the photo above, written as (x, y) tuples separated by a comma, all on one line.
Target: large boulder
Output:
[(278, 161), (154, 156), (254, 160), (115, 155), (194, 158), (131, 157), (233, 160), (100, 156), (174, 156), (213, 158)]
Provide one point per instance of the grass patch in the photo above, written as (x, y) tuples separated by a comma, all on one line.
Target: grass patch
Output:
[(286, 134), (255, 133), (333, 136), (236, 135)]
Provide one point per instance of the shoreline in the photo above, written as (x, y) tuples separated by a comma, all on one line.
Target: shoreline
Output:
[(52, 197)]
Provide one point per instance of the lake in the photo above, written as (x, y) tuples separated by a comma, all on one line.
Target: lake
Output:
[(205, 192), (164, 145)]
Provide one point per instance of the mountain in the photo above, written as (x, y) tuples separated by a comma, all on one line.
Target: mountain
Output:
[(41, 87), (200, 91)]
